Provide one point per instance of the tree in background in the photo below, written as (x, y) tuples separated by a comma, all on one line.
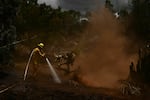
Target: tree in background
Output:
[(140, 25), (8, 9), (109, 5), (41, 18), (141, 18)]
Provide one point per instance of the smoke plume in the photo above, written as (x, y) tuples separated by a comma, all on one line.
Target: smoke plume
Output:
[(104, 59)]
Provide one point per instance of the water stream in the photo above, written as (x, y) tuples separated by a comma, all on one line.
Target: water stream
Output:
[(53, 72)]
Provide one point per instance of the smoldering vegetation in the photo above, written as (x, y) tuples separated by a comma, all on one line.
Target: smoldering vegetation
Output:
[(104, 57)]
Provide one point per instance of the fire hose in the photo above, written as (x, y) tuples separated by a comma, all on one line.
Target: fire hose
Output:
[(53, 72)]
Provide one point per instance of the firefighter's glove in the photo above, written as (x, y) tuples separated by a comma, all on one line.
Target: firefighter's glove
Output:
[(43, 55)]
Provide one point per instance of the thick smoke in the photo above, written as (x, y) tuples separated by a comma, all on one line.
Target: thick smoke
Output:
[(104, 59)]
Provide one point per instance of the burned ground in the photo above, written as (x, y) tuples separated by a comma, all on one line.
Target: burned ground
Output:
[(43, 87), (13, 87)]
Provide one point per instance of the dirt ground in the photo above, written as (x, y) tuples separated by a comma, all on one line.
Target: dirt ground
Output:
[(13, 87)]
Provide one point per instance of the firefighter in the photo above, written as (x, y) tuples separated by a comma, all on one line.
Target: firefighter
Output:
[(70, 57), (38, 55), (66, 59)]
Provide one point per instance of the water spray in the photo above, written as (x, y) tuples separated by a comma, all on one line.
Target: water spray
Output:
[(53, 72)]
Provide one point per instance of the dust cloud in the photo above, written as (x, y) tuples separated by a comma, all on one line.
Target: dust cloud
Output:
[(103, 59)]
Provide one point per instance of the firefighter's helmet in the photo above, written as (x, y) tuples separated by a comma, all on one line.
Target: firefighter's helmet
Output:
[(41, 45)]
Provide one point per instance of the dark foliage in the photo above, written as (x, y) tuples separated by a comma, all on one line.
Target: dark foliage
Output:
[(41, 18), (141, 72), (8, 9), (141, 18), (109, 5)]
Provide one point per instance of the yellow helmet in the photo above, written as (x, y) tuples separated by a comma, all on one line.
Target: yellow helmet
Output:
[(41, 45)]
